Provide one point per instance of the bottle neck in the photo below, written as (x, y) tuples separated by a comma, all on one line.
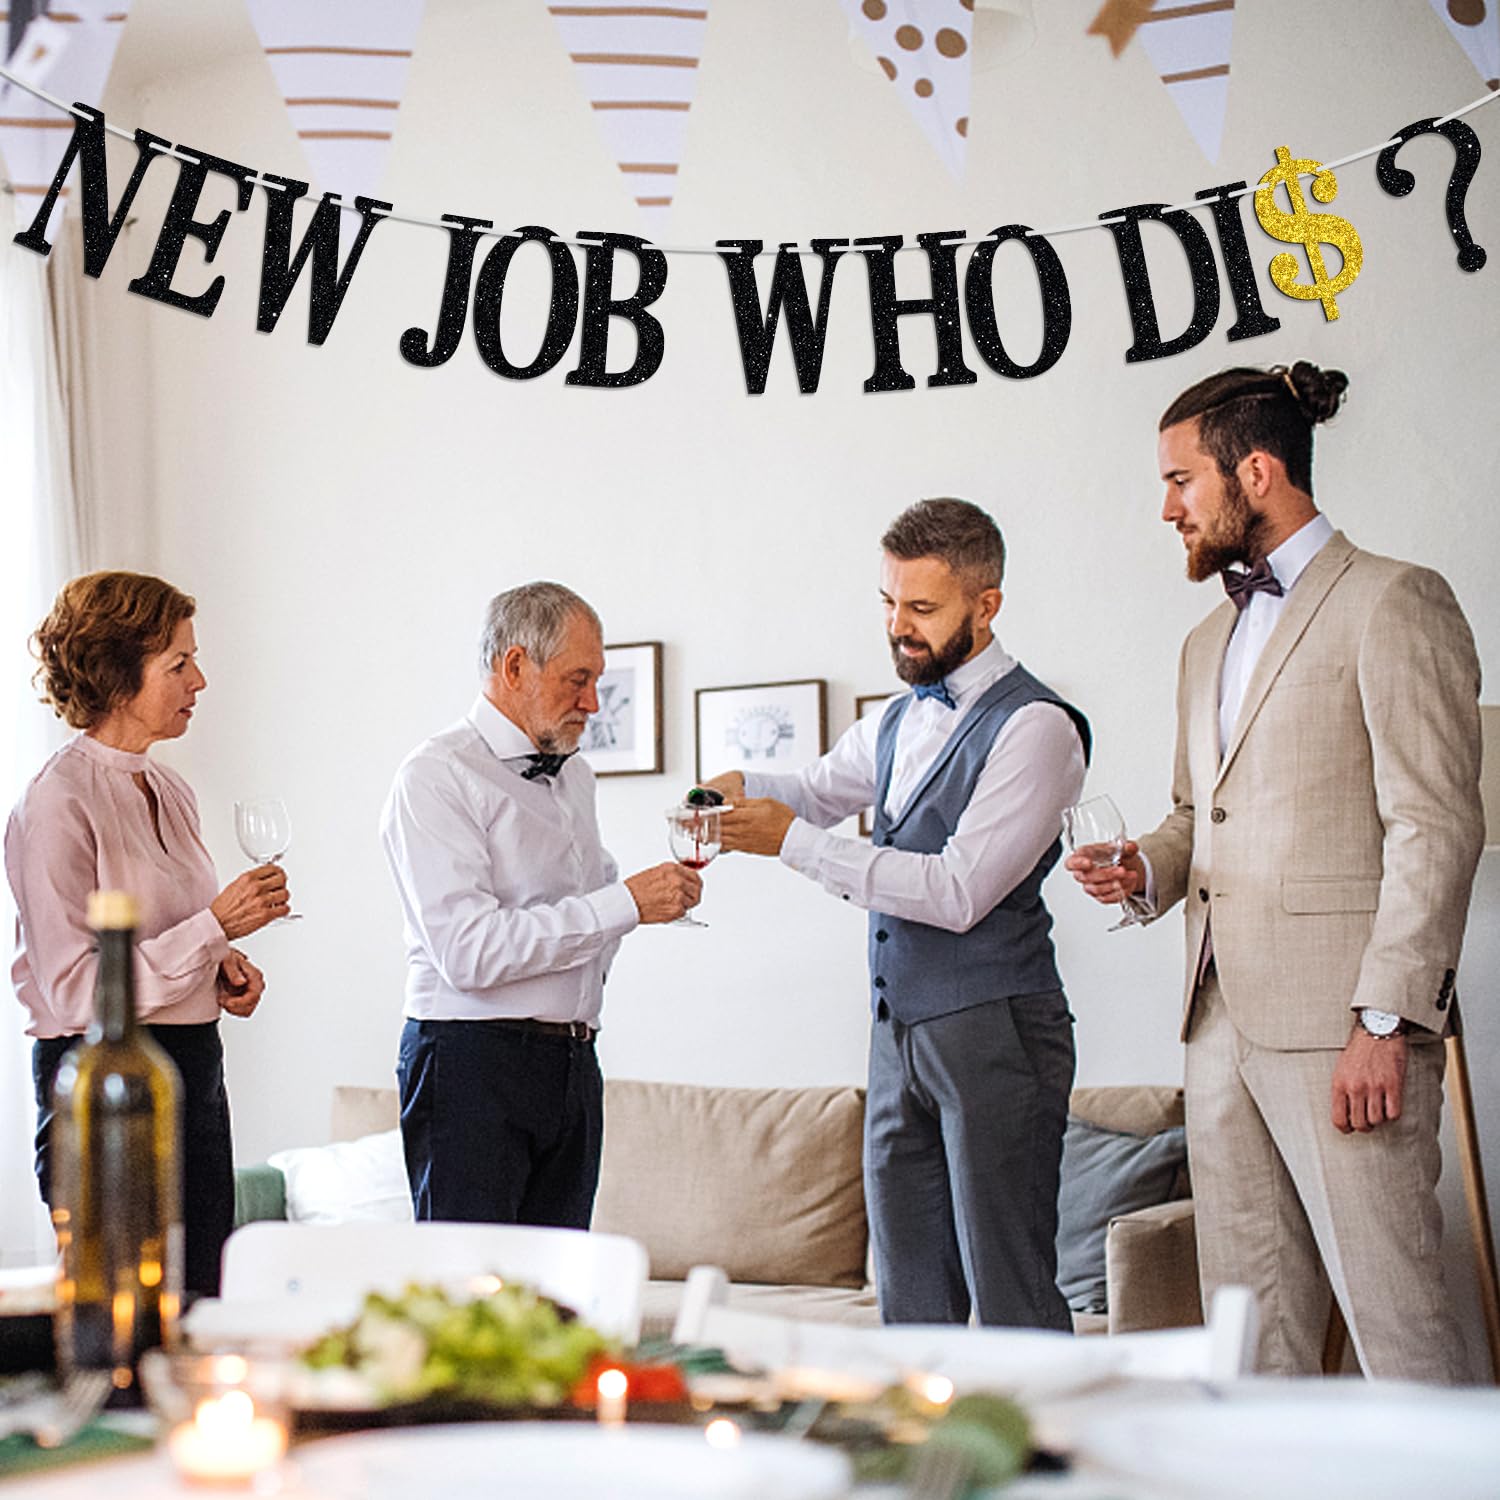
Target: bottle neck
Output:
[(114, 990)]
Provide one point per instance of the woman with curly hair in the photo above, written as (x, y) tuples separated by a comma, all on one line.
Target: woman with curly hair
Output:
[(119, 664)]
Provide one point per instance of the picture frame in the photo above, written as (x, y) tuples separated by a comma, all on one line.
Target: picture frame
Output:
[(865, 704), (625, 737), (760, 726)]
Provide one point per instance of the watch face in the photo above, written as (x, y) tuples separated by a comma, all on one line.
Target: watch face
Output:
[(1379, 1025)]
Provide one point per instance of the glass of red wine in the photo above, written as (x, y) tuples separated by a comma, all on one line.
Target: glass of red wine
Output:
[(693, 837)]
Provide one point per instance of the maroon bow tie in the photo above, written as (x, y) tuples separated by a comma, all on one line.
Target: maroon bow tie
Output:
[(1260, 578)]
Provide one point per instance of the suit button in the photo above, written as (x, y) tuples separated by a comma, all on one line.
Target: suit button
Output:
[(1203, 893), (1441, 1002), (1446, 988), (1218, 815), (880, 981), (882, 935)]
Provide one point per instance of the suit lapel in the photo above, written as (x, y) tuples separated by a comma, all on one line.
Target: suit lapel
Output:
[(1306, 598), (1203, 744)]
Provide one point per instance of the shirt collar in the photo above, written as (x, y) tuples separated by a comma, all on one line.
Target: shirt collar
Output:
[(976, 674), (129, 761), (1290, 559), (505, 738)]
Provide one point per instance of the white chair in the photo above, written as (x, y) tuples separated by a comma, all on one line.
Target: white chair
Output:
[(271, 1264), (1032, 1360)]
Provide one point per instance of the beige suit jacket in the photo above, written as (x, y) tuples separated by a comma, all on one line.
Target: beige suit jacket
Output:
[(1333, 845)]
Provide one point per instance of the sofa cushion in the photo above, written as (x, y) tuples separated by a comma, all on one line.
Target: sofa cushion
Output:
[(765, 1183), (346, 1181), (1106, 1173)]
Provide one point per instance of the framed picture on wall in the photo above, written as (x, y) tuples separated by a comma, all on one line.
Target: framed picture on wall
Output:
[(625, 737), (865, 705), (764, 726)]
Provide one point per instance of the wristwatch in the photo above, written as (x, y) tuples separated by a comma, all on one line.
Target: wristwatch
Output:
[(1381, 1024)]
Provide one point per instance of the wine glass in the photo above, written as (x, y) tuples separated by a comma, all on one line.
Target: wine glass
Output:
[(264, 829), (1095, 829), (693, 837)]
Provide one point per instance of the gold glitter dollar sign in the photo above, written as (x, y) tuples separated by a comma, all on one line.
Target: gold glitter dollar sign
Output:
[(1311, 230)]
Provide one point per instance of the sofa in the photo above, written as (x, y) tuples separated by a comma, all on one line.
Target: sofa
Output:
[(767, 1185)]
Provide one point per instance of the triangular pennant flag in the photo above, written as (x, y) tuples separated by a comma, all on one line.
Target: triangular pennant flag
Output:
[(1475, 25), (69, 53), (925, 48), (341, 66), (638, 67), (1189, 46)]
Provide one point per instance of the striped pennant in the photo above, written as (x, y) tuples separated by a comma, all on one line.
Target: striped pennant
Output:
[(1188, 45), (69, 52), (1475, 25), (638, 66), (341, 66), (925, 48)]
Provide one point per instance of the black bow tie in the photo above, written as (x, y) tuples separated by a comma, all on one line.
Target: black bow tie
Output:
[(543, 763), (1260, 579)]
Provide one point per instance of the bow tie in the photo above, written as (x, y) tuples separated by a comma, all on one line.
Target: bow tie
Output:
[(938, 690), (542, 764), (1260, 578)]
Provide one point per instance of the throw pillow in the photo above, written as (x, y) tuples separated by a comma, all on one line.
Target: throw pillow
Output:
[(1106, 1173), (347, 1181)]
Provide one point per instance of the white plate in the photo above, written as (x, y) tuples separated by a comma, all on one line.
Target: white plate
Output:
[(1396, 1443), (566, 1461)]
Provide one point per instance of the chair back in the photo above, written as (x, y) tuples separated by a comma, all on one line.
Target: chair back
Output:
[(600, 1276)]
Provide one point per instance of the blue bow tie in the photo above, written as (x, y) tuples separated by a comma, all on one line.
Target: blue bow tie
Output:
[(938, 690)]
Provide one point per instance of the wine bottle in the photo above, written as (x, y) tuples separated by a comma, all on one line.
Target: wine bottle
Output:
[(704, 796), (116, 1176)]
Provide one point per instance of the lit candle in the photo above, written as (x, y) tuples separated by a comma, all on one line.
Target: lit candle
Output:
[(611, 1387), (722, 1433), (226, 1440)]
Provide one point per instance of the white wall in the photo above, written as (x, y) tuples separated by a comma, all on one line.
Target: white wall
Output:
[(342, 517)]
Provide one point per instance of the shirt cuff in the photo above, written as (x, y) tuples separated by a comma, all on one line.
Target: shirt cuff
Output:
[(616, 910), (1144, 902), (214, 941), (799, 849)]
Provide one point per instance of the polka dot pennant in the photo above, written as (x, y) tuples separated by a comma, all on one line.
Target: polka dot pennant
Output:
[(1475, 26), (924, 48)]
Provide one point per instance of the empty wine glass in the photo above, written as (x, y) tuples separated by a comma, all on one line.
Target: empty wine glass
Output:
[(264, 829), (1095, 829), (694, 839)]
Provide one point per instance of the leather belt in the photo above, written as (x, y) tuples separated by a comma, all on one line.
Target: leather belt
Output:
[(578, 1031)]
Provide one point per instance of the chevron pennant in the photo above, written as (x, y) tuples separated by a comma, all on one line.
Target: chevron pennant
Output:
[(341, 66), (925, 48), (1189, 47), (69, 52), (1475, 25), (638, 67)]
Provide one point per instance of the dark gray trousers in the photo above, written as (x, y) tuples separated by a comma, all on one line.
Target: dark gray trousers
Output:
[(963, 1144)]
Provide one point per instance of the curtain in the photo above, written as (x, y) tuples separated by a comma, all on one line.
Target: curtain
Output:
[(41, 544)]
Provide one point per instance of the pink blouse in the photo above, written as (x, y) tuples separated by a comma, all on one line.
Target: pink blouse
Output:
[(83, 825)]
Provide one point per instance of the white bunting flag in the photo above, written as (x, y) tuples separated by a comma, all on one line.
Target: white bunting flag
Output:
[(925, 48), (1189, 47), (1475, 25), (68, 53), (638, 67), (342, 67)]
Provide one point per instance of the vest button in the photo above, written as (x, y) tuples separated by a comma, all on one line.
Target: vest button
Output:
[(882, 935), (880, 981), (889, 840), (1218, 815), (1203, 893)]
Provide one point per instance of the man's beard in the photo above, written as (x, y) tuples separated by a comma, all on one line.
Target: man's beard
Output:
[(918, 671), (1233, 536), (561, 739)]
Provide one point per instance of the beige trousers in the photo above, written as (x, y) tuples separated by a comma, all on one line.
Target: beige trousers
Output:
[(1289, 1207)]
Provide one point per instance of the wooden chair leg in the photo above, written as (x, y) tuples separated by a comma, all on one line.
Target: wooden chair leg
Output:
[(1480, 1230)]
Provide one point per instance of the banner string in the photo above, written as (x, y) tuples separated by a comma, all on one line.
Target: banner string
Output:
[(429, 223)]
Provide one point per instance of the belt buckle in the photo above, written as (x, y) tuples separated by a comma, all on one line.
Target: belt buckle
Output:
[(578, 1030)]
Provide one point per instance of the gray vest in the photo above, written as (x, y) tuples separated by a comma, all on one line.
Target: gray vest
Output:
[(922, 971)]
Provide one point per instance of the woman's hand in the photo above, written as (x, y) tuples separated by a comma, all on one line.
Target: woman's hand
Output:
[(240, 984), (251, 900)]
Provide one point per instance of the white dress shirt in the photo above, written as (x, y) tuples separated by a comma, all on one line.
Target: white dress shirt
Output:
[(512, 906), (1034, 769), (1258, 619)]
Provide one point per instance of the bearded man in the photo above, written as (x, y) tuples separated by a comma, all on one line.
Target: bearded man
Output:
[(1325, 829), (971, 1042), (513, 912)]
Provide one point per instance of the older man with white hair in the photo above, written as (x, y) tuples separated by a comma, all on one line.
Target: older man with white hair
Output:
[(513, 912)]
